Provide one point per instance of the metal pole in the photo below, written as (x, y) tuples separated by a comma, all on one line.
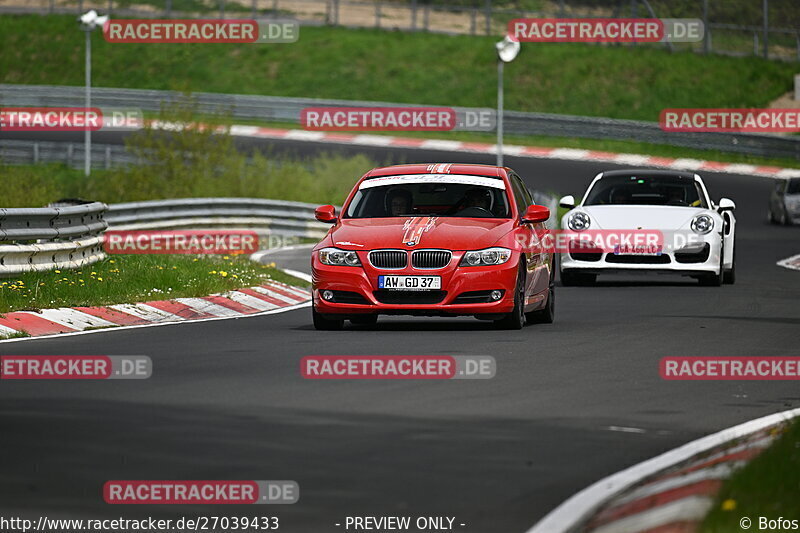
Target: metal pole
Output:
[(488, 17), (707, 34), (499, 113), (87, 134), (765, 7), (413, 15)]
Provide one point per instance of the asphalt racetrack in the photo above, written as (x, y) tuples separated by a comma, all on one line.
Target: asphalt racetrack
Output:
[(571, 402)]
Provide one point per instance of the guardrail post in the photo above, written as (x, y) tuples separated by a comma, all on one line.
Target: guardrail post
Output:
[(70, 150), (765, 7), (222, 9), (35, 152), (108, 157), (426, 17), (488, 17), (275, 6), (52, 6), (377, 14), (168, 9), (413, 15), (473, 20), (707, 34)]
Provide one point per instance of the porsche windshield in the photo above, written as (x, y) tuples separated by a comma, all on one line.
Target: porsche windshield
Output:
[(459, 196), (646, 190)]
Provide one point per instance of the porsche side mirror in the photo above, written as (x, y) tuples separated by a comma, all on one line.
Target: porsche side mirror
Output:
[(535, 213), (567, 201), (325, 213), (726, 204)]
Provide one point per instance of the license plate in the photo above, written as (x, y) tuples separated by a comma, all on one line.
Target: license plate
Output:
[(637, 250), (410, 283)]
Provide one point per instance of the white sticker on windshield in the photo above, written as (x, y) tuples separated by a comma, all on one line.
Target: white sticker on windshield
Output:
[(495, 183)]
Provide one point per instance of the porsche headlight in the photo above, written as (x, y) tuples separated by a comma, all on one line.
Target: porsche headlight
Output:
[(489, 256), (337, 257), (579, 221), (702, 224)]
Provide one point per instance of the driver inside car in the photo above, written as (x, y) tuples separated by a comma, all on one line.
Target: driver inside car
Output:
[(399, 202)]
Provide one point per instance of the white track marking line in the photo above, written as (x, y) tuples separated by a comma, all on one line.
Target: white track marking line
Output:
[(693, 508), (146, 312), (263, 253), (73, 319), (792, 263), (579, 506), (298, 275), (209, 308), (623, 429)]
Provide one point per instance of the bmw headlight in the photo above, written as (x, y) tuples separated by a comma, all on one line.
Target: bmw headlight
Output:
[(489, 256), (702, 224), (337, 257), (579, 221)]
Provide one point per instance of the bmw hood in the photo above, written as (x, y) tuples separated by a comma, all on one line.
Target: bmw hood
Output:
[(412, 233), (656, 217)]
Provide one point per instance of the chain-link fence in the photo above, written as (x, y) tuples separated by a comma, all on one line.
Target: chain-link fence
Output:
[(767, 28)]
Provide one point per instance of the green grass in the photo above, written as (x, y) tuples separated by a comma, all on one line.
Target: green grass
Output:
[(323, 180), (768, 486), (135, 278), (618, 82)]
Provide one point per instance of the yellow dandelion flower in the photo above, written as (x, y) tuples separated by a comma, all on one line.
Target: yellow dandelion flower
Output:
[(729, 505)]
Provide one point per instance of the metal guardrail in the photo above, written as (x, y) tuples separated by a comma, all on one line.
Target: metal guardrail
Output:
[(72, 235), (104, 156), (293, 219), (272, 108)]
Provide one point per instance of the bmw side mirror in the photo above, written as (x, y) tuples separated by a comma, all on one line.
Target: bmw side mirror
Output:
[(535, 213), (567, 201), (726, 204), (325, 213)]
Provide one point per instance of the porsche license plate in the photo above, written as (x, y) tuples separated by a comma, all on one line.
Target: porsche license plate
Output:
[(637, 250), (410, 283)]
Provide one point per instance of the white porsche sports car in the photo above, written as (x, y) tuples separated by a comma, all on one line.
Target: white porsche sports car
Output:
[(697, 237)]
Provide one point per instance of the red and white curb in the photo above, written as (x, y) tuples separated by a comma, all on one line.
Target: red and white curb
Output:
[(570, 154), (792, 263), (267, 298), (671, 493)]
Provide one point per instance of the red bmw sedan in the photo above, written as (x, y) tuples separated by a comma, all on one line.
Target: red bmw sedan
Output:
[(434, 240)]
